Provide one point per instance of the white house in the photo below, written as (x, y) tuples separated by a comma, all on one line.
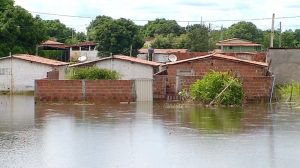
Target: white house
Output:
[(18, 72), (128, 67), (160, 55)]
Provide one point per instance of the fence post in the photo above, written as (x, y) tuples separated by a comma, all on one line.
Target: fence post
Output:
[(83, 86)]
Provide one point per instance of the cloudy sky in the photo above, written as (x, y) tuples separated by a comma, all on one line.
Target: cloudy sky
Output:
[(180, 10)]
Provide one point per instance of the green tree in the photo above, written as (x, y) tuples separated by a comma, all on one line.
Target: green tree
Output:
[(59, 31), (170, 41), (197, 38), (19, 31), (289, 39), (244, 30), (116, 36), (162, 27)]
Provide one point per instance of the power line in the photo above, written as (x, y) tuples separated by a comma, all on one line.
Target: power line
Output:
[(145, 20), (63, 15)]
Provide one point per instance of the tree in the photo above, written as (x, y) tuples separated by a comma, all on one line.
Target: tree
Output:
[(59, 31), (170, 41), (19, 31), (197, 38), (115, 36), (289, 39), (162, 27), (244, 30)]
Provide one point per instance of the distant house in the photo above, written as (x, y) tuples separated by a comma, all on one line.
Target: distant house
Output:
[(18, 72), (235, 45), (160, 55), (128, 67), (86, 50), (55, 50)]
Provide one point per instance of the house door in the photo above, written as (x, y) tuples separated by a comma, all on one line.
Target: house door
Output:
[(5, 79), (144, 90)]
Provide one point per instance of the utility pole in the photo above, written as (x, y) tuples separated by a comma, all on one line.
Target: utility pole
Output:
[(272, 31), (222, 38), (280, 35), (209, 36)]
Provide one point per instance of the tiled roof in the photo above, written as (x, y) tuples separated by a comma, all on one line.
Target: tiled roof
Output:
[(163, 51), (38, 59), (121, 57), (220, 56), (50, 42)]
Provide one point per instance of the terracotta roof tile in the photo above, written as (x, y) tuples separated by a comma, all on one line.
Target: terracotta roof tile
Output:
[(230, 42), (38, 59), (163, 51), (50, 42), (220, 56)]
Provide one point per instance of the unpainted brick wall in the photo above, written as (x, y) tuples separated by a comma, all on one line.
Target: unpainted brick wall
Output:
[(255, 88), (79, 90)]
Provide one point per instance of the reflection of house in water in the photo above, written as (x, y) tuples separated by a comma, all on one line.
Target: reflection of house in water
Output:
[(86, 50)]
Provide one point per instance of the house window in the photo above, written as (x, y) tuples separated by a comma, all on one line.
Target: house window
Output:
[(230, 47)]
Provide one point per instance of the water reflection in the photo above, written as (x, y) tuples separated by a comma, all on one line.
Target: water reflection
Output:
[(146, 135)]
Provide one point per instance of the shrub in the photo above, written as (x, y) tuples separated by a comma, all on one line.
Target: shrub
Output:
[(212, 84), (93, 73), (289, 92)]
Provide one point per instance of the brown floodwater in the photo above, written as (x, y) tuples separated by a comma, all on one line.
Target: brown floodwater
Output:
[(147, 135)]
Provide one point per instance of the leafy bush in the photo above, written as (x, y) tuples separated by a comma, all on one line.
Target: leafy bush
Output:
[(94, 73), (212, 84), (289, 92)]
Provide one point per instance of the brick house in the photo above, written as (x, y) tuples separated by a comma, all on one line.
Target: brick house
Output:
[(180, 74)]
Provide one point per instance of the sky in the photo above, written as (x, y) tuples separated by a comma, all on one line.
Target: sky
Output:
[(183, 11)]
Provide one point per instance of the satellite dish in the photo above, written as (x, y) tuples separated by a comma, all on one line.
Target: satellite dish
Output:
[(82, 58), (172, 58)]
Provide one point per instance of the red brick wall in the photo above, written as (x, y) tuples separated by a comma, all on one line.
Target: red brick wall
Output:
[(260, 56), (187, 55), (159, 86), (95, 91), (255, 88)]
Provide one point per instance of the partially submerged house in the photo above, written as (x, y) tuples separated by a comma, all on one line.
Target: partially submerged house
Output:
[(18, 72), (128, 67), (160, 55), (181, 74), (238, 45)]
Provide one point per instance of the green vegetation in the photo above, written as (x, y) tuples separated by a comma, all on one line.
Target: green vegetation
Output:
[(219, 87), (93, 73), (115, 36), (289, 92), (20, 32)]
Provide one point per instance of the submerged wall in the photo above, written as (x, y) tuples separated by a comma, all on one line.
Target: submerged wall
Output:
[(84, 90)]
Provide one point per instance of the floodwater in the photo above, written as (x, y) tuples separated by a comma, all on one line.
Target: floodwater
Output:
[(147, 135)]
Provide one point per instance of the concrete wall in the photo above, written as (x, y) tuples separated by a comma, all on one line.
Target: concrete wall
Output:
[(24, 74), (91, 55), (285, 64), (128, 70), (81, 90)]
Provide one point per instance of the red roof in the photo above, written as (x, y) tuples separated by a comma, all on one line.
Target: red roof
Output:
[(163, 51), (124, 58), (220, 56), (50, 42), (39, 59)]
